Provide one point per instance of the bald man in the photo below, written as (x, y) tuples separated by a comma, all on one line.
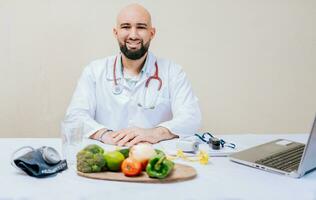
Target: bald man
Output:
[(133, 96)]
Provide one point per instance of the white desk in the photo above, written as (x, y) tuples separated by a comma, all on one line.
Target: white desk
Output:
[(220, 179)]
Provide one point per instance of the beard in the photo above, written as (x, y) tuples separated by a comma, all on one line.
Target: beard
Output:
[(134, 54)]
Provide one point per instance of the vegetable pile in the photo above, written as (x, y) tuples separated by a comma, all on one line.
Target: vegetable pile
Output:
[(141, 157)]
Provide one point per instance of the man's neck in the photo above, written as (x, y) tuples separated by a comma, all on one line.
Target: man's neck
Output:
[(133, 67)]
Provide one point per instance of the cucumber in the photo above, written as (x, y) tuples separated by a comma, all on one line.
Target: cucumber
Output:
[(125, 152)]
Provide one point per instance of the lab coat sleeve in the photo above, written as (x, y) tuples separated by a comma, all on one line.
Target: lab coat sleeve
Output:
[(184, 105), (83, 103)]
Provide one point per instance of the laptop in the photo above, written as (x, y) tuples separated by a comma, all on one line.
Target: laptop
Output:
[(281, 156)]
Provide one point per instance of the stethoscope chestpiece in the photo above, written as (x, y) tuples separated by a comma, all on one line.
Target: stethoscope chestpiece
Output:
[(215, 143), (117, 89)]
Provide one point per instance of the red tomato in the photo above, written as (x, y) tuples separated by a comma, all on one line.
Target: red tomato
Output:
[(144, 165), (131, 167)]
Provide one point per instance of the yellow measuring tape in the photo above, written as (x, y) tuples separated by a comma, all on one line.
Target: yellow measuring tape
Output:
[(202, 157)]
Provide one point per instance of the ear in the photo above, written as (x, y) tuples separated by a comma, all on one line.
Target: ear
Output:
[(152, 32), (115, 32)]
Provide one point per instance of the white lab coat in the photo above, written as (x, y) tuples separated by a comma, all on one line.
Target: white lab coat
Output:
[(94, 103)]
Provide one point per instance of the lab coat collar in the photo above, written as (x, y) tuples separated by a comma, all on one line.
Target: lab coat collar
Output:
[(147, 68), (149, 64), (110, 68)]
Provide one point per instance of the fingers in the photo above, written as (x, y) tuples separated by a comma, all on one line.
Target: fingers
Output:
[(126, 139), (134, 141), (107, 139), (116, 133), (119, 137), (121, 134)]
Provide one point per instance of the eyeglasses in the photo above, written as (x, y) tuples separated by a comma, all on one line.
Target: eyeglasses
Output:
[(212, 141)]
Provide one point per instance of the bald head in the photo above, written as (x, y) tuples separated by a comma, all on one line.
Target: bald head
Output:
[(132, 13), (134, 31)]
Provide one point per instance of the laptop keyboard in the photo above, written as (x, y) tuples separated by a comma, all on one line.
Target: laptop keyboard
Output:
[(288, 160)]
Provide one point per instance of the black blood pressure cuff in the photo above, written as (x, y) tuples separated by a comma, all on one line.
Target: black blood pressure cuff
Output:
[(34, 164)]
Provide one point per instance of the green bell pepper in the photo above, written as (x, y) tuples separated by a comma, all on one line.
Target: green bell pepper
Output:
[(159, 167), (159, 152)]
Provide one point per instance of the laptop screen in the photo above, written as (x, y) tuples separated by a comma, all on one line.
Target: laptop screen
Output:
[(308, 161)]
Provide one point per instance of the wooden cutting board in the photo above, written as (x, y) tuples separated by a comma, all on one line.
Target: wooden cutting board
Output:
[(180, 172)]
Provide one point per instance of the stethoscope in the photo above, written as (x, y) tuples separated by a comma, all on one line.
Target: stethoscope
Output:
[(118, 88), (214, 142)]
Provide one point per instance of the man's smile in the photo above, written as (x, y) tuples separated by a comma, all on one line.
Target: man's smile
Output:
[(133, 44)]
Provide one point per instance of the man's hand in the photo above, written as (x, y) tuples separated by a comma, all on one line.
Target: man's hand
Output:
[(132, 136), (106, 137)]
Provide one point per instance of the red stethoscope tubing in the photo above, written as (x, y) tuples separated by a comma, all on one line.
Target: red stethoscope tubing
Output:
[(154, 77)]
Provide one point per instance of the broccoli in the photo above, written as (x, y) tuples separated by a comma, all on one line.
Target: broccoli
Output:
[(91, 159), (93, 148)]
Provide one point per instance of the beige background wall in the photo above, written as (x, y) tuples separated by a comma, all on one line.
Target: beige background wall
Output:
[(252, 63)]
